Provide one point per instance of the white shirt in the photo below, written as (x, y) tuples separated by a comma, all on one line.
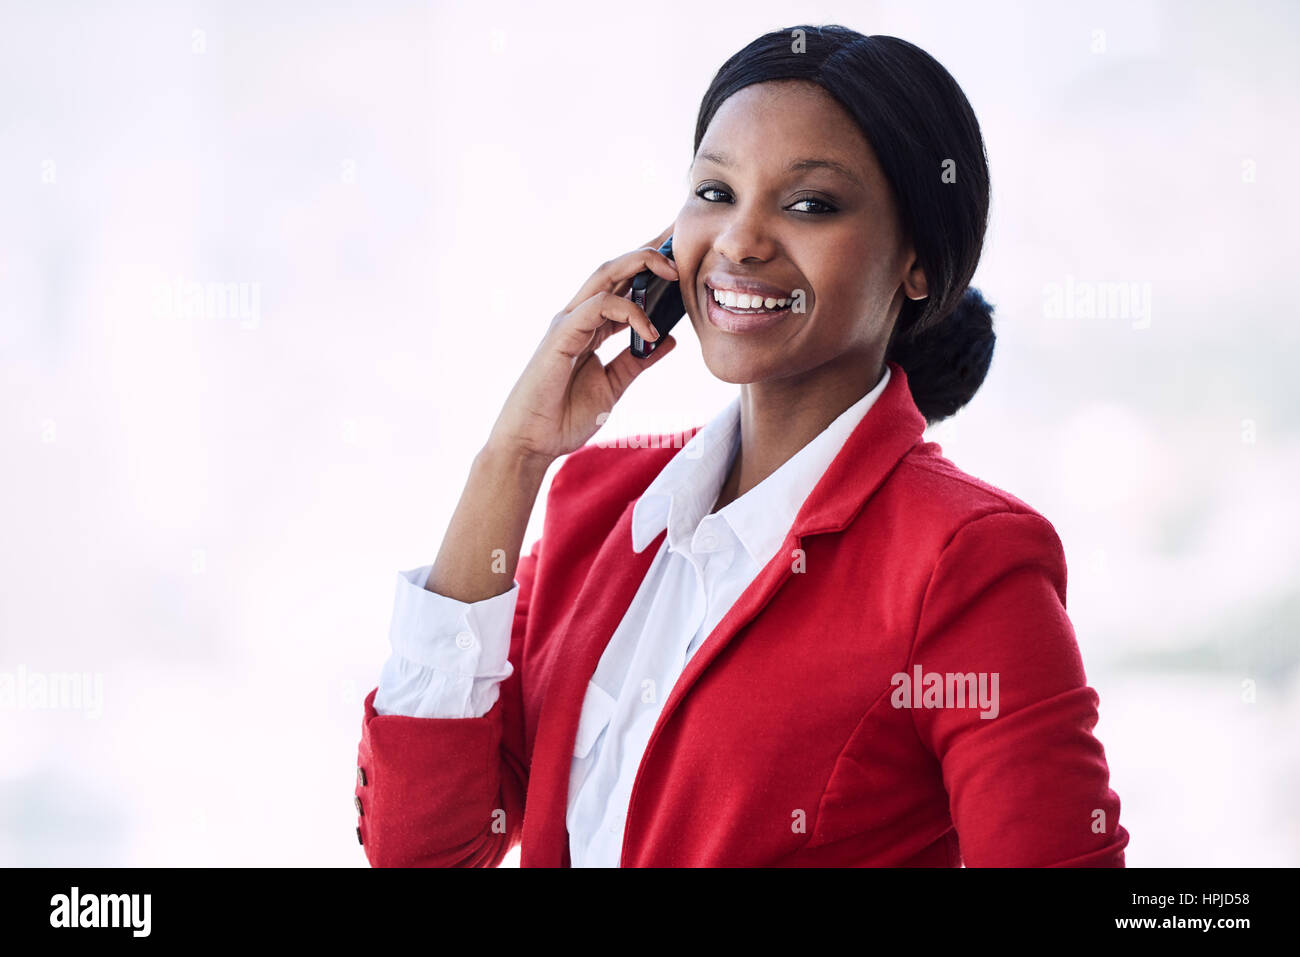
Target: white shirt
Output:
[(449, 656)]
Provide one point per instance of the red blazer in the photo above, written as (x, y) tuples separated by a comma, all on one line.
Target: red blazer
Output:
[(783, 743)]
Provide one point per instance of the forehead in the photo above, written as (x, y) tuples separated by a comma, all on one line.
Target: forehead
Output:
[(765, 126)]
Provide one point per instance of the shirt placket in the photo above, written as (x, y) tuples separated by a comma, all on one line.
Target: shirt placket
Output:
[(710, 565)]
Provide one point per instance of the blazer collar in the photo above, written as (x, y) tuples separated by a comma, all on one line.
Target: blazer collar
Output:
[(684, 490), (875, 446), (886, 433)]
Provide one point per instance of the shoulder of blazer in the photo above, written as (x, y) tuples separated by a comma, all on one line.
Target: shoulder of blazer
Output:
[(611, 474), (936, 495), (934, 481)]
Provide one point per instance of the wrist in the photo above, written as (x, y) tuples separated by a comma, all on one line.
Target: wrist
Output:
[(513, 460)]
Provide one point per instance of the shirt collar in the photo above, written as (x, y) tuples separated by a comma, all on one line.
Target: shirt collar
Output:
[(686, 488)]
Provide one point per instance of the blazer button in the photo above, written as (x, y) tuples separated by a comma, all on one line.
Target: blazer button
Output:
[(357, 801), (361, 777), (359, 841), (464, 639)]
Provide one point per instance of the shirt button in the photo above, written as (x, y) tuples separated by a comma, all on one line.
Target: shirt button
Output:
[(465, 639), (708, 541), (359, 841), (357, 801), (361, 777)]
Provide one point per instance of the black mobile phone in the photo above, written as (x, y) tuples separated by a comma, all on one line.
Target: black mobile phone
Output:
[(661, 300)]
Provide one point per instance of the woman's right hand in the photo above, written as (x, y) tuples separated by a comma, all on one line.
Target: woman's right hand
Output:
[(557, 404)]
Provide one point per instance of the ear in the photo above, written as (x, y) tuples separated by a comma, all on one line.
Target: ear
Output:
[(914, 284)]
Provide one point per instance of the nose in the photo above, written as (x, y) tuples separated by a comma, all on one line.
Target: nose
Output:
[(745, 239)]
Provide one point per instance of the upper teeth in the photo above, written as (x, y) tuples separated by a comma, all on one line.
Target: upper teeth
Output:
[(742, 300)]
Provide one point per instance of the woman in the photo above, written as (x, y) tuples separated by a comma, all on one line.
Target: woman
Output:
[(807, 638)]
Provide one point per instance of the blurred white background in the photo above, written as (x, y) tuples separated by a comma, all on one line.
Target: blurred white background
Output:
[(208, 511)]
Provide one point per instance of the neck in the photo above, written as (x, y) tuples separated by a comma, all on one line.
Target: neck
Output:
[(779, 417)]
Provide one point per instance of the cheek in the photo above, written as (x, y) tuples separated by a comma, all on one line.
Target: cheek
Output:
[(851, 275), (689, 242), (689, 248)]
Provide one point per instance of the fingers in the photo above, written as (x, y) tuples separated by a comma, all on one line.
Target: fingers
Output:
[(625, 367), (616, 275), (590, 322)]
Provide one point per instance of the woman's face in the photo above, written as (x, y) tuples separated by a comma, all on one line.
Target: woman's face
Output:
[(786, 191)]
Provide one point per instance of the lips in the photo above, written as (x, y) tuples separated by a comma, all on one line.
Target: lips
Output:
[(752, 321), (733, 318)]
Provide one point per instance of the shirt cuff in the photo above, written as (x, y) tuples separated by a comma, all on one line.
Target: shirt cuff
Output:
[(449, 656), (468, 639)]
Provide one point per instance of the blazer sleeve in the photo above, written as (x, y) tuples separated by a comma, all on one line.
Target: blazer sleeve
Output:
[(1027, 782), (448, 792)]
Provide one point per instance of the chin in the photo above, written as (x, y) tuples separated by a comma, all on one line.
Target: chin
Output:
[(743, 359), (732, 360)]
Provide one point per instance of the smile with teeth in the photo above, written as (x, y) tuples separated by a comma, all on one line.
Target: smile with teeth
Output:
[(744, 303)]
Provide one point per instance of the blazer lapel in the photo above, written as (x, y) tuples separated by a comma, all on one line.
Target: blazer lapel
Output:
[(612, 582)]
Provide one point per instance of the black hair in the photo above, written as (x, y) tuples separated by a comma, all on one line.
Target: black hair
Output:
[(920, 124)]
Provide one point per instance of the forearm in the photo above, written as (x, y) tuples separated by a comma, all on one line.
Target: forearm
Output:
[(480, 551)]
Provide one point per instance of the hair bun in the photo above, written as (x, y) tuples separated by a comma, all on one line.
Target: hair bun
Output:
[(946, 362)]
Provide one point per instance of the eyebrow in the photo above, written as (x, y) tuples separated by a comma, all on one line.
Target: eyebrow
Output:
[(795, 166)]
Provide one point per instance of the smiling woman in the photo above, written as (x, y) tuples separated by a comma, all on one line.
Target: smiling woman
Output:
[(699, 663), (861, 161)]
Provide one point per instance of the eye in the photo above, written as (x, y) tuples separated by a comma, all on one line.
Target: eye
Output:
[(825, 209), (821, 207), (707, 188)]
